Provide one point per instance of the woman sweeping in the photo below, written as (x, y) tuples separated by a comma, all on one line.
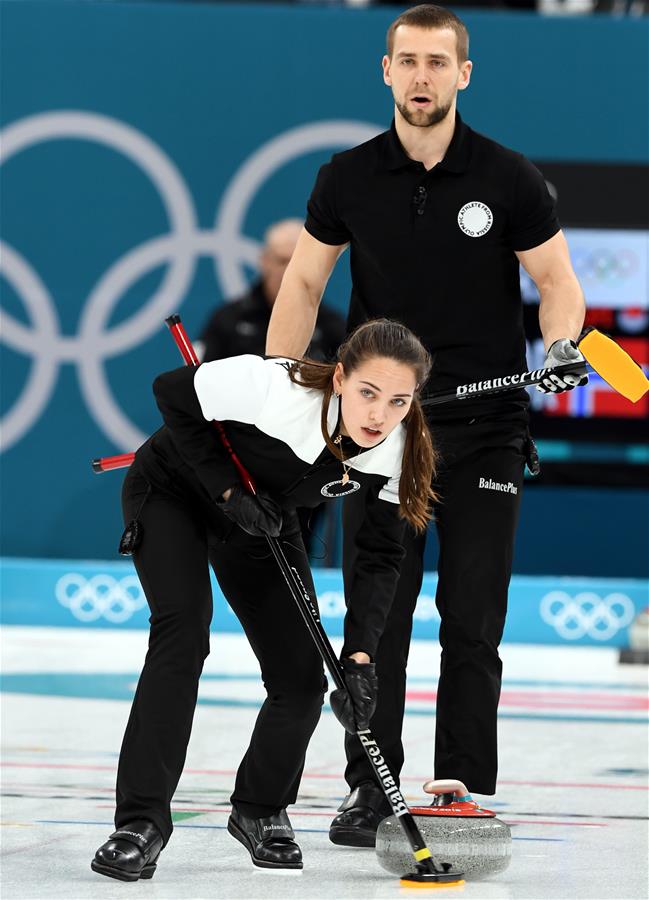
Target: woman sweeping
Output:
[(303, 430)]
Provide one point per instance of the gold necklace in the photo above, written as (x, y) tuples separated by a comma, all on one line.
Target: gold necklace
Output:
[(347, 464)]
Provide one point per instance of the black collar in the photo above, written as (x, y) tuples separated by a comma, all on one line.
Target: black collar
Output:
[(456, 159)]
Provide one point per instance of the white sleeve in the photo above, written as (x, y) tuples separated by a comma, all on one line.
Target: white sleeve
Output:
[(390, 490), (233, 389)]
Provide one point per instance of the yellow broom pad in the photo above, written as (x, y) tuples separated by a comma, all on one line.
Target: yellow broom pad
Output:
[(614, 365)]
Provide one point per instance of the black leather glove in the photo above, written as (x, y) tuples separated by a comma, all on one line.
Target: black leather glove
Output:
[(258, 514), (355, 707), (561, 353)]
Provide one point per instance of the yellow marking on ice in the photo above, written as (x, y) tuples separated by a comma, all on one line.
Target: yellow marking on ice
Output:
[(427, 885), (29, 749)]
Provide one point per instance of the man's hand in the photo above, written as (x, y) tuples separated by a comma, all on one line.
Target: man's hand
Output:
[(561, 353), (258, 514), (355, 707)]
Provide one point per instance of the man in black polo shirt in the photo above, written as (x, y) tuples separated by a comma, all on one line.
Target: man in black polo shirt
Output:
[(438, 218)]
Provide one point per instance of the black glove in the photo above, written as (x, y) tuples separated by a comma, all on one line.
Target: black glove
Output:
[(561, 353), (355, 707), (258, 514)]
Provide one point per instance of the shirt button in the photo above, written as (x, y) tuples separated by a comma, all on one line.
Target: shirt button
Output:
[(419, 199)]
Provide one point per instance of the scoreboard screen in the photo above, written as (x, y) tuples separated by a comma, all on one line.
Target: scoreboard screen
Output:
[(613, 268)]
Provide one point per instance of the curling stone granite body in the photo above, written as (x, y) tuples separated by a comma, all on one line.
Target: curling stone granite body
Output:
[(478, 847)]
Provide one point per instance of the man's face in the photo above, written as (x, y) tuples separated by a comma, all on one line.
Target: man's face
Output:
[(424, 73)]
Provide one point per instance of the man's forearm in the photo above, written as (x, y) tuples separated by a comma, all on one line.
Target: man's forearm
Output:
[(293, 319), (562, 310)]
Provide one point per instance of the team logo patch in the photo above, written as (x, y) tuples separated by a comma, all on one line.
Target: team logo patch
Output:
[(475, 218), (339, 488)]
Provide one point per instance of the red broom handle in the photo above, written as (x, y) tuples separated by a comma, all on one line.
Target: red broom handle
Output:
[(188, 353), (123, 460), (106, 463), (178, 333)]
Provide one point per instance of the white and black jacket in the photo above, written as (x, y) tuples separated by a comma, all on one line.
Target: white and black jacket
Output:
[(273, 425)]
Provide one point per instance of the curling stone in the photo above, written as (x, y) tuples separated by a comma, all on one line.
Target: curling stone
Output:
[(457, 831)]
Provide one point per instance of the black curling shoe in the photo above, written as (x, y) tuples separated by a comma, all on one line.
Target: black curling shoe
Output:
[(361, 812), (270, 841), (130, 852)]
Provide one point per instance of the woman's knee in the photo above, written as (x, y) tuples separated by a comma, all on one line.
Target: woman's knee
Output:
[(299, 694), (471, 640), (182, 640)]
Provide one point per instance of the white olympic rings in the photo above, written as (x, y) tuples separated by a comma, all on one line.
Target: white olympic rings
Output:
[(586, 614), (180, 249), (602, 264), (101, 596)]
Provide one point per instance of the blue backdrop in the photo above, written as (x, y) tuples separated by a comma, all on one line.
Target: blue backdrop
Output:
[(146, 147), (542, 610)]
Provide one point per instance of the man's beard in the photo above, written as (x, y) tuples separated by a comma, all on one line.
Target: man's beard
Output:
[(421, 119)]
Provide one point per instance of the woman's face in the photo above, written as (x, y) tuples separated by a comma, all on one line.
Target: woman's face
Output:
[(374, 398)]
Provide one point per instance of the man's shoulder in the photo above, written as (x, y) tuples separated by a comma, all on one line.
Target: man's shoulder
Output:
[(486, 147), (360, 155)]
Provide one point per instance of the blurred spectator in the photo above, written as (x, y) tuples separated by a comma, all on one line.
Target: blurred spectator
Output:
[(240, 325)]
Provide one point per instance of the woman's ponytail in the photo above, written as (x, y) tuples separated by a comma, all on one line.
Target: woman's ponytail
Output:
[(418, 469)]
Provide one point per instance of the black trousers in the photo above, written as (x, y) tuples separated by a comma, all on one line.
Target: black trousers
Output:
[(476, 526), (180, 536)]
